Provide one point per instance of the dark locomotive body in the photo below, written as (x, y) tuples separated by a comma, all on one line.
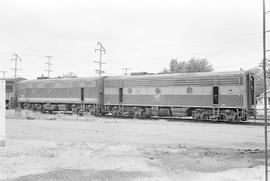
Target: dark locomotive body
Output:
[(10, 91), (69, 94), (227, 96)]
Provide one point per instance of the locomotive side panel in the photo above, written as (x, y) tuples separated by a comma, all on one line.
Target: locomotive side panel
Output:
[(91, 95), (99, 93), (176, 91), (230, 96), (52, 95)]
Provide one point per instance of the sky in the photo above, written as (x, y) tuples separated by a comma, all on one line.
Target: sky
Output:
[(143, 35)]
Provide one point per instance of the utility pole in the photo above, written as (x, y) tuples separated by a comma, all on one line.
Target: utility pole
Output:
[(101, 50), (4, 73), (265, 91), (16, 58), (126, 71), (48, 70)]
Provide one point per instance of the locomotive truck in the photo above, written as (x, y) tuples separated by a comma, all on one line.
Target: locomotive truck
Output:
[(226, 96)]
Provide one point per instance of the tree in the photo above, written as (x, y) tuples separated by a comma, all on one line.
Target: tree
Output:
[(258, 78), (174, 65), (182, 66), (192, 65), (165, 71), (198, 65), (267, 68)]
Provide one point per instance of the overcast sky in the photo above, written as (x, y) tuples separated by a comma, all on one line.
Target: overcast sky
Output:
[(143, 35)]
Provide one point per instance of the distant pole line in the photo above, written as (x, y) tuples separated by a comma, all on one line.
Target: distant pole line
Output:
[(4, 73), (101, 50), (16, 58), (48, 70), (126, 71)]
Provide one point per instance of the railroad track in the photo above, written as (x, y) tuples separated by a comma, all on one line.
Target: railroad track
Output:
[(257, 122)]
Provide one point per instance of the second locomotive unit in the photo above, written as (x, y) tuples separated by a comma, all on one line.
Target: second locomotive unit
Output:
[(227, 96)]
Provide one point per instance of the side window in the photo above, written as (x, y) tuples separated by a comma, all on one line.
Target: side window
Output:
[(215, 95), (120, 94)]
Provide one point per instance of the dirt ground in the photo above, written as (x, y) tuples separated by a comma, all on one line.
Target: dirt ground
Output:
[(63, 147)]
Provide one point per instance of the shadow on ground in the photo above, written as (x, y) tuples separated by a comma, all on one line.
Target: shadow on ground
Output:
[(84, 175)]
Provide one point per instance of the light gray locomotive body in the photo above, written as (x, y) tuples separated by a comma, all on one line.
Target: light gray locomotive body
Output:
[(225, 96)]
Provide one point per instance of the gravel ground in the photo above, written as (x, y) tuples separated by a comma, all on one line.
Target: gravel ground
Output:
[(62, 147)]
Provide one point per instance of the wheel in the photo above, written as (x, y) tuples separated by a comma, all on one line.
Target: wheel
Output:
[(223, 118), (205, 117), (235, 118)]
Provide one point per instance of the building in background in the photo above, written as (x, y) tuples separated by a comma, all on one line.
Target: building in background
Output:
[(260, 104)]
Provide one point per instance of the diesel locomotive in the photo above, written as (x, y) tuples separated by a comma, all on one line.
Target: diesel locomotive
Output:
[(61, 94), (226, 96)]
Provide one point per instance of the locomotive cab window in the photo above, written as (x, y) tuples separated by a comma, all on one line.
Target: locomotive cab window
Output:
[(120, 94), (215, 95)]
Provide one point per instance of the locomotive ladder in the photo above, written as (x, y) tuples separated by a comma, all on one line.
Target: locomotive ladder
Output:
[(265, 91)]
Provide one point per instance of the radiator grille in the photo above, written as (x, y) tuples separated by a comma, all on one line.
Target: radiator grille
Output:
[(173, 82)]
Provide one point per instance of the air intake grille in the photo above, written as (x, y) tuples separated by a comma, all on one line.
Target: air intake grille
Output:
[(173, 82)]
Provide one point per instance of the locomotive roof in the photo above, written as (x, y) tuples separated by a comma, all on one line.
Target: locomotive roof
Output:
[(179, 75), (62, 80), (13, 79)]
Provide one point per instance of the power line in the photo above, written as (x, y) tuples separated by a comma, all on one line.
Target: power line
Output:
[(126, 70), (4, 73), (48, 70), (101, 50), (16, 59)]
